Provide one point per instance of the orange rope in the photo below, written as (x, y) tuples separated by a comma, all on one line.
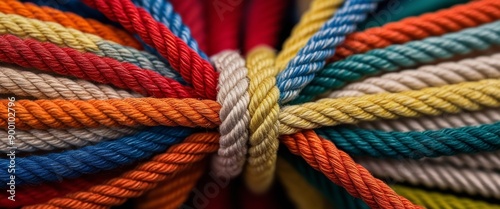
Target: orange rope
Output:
[(70, 20), (415, 28), (163, 167), (172, 194), (45, 114), (341, 169)]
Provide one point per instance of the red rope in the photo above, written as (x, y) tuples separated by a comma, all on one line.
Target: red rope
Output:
[(66, 61), (224, 21), (191, 66), (193, 16)]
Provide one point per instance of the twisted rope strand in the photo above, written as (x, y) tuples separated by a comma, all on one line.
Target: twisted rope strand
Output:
[(224, 20), (70, 20), (60, 114), (144, 177), (395, 57), (106, 155), (14, 80), (311, 59), (35, 140), (57, 34), (468, 96), (414, 144), (234, 114), (427, 76), (483, 160), (192, 68), (310, 22), (438, 23), (264, 111), (446, 177), (163, 12), (66, 61), (341, 169)]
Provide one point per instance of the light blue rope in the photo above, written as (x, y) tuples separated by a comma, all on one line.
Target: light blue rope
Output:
[(92, 159), (414, 144), (310, 59), (163, 11), (396, 57)]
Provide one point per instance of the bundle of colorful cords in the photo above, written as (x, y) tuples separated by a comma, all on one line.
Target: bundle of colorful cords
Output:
[(223, 104)]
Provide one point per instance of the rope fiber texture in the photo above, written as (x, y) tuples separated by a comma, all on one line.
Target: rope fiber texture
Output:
[(193, 69), (396, 57), (234, 113)]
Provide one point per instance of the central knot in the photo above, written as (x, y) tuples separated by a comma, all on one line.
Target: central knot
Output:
[(250, 112)]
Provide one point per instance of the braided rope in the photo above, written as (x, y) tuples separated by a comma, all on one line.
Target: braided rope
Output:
[(395, 57), (173, 193), (438, 23), (414, 144), (429, 101), (57, 34), (163, 12), (94, 158), (473, 182), (192, 68), (66, 61), (13, 80), (143, 177), (43, 114), (234, 113), (310, 59), (264, 112), (310, 22), (69, 20), (322, 155), (35, 140), (298, 189), (437, 200), (427, 76)]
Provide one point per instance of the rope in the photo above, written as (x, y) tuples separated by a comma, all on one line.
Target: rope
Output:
[(92, 159), (143, 177), (193, 69), (173, 193), (461, 119), (69, 20), (14, 80), (437, 200), (395, 57), (414, 144), (163, 12), (310, 59), (264, 23), (469, 96), (224, 20), (473, 182), (427, 76), (62, 114), (193, 14), (303, 195), (322, 155), (51, 139), (485, 160), (57, 34), (310, 22), (234, 113), (264, 112), (437, 23), (66, 61)]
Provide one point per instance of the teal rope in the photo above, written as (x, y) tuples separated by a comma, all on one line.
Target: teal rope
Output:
[(310, 59), (414, 144), (396, 57)]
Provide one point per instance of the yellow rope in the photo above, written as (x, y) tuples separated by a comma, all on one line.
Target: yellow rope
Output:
[(469, 96), (310, 23), (299, 190), (264, 110)]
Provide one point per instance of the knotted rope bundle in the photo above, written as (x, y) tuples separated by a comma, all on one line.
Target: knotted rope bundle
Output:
[(119, 105)]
